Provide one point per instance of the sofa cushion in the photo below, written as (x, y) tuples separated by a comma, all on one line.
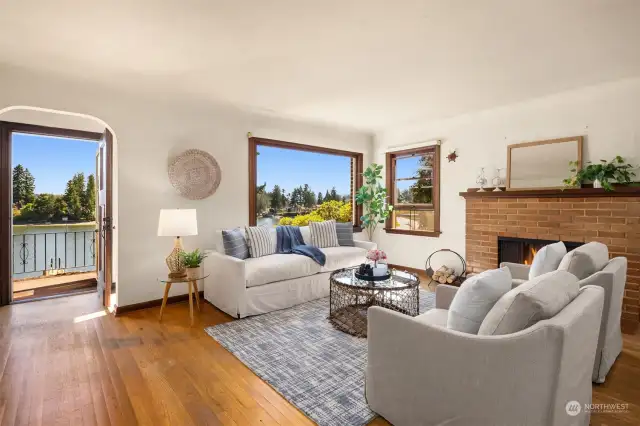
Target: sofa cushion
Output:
[(538, 299), (343, 257), (475, 298), (547, 259), (323, 234), (234, 243), (262, 240), (585, 260), (434, 317), (306, 234), (345, 234), (278, 267)]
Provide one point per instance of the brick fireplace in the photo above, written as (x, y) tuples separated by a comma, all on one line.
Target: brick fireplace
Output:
[(577, 215)]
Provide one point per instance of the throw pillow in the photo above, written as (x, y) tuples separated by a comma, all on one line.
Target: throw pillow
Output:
[(585, 260), (539, 299), (547, 259), (475, 298), (345, 234), (261, 240), (234, 243), (323, 234)]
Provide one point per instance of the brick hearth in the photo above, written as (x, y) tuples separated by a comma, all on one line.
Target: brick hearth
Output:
[(569, 216)]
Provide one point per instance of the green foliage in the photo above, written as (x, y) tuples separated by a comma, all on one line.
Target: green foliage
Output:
[(336, 210), (278, 200), (422, 191), (372, 196), (320, 198), (606, 171), (89, 200), (192, 259), (24, 186), (285, 221)]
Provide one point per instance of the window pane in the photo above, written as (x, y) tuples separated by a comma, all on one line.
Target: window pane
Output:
[(295, 187), (414, 191), (414, 220), (417, 166)]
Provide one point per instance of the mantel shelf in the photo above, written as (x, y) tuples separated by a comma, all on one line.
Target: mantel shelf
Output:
[(620, 191)]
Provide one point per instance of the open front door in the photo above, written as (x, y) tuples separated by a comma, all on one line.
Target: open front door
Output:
[(104, 216)]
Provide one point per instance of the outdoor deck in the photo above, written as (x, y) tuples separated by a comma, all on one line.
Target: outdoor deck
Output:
[(54, 285)]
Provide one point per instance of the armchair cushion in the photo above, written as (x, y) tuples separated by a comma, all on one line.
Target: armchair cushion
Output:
[(538, 299), (475, 298), (434, 317), (585, 260), (547, 259)]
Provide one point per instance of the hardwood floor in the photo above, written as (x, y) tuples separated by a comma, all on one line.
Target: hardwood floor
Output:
[(64, 362)]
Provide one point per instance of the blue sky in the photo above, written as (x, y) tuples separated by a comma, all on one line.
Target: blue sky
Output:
[(289, 168), (53, 161)]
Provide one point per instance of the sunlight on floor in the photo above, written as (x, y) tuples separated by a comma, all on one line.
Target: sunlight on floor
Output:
[(87, 317)]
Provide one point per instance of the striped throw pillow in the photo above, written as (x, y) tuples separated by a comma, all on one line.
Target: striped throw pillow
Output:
[(345, 234), (234, 243), (261, 240), (323, 234)]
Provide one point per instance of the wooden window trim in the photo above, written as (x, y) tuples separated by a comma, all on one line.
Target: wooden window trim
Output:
[(254, 142), (390, 178)]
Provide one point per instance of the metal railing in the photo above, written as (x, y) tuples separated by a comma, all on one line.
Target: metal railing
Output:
[(41, 252)]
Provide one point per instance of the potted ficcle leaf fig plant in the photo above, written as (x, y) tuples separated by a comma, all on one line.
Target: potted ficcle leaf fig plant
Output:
[(192, 261), (373, 197), (601, 174)]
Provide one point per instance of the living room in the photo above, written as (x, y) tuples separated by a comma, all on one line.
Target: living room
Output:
[(368, 81)]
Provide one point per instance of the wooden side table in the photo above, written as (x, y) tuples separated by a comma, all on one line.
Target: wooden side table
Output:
[(193, 288)]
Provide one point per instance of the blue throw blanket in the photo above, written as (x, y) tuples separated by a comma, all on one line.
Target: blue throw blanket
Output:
[(290, 241)]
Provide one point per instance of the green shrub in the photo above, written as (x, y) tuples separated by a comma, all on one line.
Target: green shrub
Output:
[(303, 220), (285, 221)]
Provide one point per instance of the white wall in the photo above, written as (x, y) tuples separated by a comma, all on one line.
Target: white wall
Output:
[(607, 115), (150, 131)]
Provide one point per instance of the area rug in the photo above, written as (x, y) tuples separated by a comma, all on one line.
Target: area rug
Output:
[(317, 368)]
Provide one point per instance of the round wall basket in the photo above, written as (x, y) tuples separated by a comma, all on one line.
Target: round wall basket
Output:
[(195, 174)]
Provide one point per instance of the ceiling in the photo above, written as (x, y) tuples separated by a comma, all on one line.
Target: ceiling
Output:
[(365, 64)]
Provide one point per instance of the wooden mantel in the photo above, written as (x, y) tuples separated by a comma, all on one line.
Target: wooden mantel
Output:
[(620, 191)]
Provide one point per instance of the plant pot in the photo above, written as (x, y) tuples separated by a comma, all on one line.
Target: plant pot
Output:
[(597, 183), (193, 273)]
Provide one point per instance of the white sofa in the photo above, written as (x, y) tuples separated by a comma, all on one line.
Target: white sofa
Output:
[(611, 275), (259, 285), (421, 373)]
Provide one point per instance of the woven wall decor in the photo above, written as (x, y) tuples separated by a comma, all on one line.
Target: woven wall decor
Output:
[(195, 174)]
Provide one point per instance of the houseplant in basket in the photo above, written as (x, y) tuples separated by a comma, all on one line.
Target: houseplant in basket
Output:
[(192, 261), (601, 174)]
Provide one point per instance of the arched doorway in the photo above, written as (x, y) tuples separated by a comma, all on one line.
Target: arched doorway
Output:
[(20, 121)]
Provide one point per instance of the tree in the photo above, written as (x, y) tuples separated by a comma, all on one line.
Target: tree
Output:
[(24, 186), (309, 198), (319, 199), (74, 194), (277, 198), (89, 200), (422, 190), (327, 196), (263, 200), (296, 198), (334, 194)]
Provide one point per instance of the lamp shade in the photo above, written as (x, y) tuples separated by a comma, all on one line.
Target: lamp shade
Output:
[(177, 223)]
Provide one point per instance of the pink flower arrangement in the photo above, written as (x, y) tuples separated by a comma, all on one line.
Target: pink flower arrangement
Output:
[(376, 255)]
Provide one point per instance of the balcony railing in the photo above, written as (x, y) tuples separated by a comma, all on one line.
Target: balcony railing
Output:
[(37, 253)]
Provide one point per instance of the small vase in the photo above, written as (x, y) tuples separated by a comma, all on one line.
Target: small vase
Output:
[(193, 273), (597, 183)]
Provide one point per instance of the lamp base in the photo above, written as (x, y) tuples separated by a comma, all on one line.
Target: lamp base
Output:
[(174, 261)]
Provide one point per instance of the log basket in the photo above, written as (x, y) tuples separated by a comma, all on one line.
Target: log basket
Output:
[(429, 270)]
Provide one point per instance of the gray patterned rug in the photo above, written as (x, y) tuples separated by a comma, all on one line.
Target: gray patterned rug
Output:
[(317, 368)]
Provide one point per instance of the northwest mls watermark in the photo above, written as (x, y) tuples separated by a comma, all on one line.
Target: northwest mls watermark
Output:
[(574, 408)]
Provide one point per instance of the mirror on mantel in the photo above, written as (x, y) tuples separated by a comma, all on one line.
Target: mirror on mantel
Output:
[(542, 164)]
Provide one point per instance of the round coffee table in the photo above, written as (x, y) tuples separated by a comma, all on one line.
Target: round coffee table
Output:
[(350, 298)]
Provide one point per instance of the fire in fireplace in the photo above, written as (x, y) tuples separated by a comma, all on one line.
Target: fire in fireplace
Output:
[(522, 250)]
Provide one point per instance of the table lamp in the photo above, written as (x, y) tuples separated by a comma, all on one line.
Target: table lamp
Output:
[(177, 223)]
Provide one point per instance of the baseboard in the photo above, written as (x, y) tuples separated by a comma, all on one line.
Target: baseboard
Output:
[(406, 268), (119, 310)]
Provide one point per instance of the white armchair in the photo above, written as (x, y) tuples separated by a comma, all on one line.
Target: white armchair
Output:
[(611, 275), (421, 373)]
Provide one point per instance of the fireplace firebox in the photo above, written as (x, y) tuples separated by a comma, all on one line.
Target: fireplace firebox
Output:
[(522, 250)]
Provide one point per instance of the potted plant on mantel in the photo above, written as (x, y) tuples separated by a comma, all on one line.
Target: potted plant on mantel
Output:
[(192, 261), (373, 197), (601, 174)]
